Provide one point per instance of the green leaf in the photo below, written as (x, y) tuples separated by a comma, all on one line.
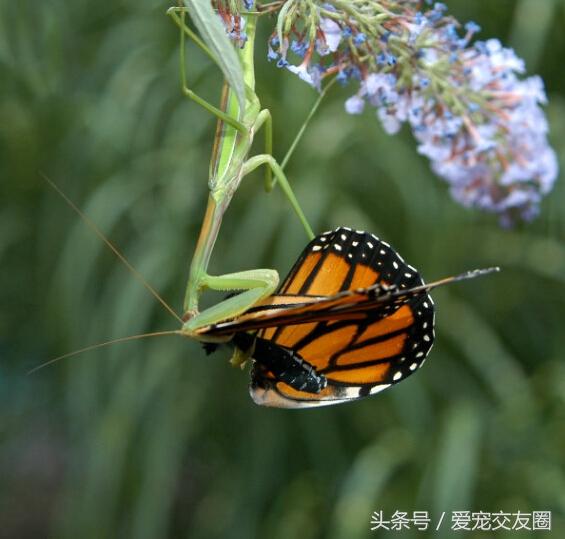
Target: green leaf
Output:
[(214, 35)]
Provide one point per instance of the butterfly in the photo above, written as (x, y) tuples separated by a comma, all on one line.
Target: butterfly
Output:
[(351, 319)]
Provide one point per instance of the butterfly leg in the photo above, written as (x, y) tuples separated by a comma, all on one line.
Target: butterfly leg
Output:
[(256, 285)]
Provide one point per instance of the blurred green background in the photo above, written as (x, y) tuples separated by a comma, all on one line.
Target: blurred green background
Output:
[(153, 439)]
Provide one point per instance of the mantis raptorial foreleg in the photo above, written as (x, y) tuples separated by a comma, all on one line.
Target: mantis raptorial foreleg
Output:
[(257, 285)]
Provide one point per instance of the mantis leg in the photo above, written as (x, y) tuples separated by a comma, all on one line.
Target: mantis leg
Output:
[(257, 285), (186, 31), (265, 119), (265, 159)]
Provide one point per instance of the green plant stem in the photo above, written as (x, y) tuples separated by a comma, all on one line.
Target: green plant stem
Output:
[(305, 124)]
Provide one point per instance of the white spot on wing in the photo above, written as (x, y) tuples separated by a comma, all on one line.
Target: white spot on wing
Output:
[(351, 392), (397, 376), (377, 389)]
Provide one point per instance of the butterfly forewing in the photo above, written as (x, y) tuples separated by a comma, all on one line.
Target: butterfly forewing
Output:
[(362, 341)]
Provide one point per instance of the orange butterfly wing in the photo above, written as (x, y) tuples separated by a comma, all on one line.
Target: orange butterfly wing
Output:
[(361, 344)]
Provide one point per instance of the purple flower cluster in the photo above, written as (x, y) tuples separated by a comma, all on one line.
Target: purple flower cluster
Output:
[(477, 121), (494, 155)]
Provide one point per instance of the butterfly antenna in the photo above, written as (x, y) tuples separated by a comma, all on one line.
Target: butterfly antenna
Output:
[(426, 287), (120, 256), (103, 344), (447, 280), (463, 277)]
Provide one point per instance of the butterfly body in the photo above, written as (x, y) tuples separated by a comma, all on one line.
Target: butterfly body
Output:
[(284, 363)]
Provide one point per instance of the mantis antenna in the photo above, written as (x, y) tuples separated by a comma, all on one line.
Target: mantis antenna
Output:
[(120, 256), (129, 266), (102, 345)]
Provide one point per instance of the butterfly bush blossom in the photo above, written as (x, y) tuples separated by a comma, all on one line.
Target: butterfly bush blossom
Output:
[(478, 122)]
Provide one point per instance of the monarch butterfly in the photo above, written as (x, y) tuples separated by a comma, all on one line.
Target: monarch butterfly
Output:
[(351, 318)]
